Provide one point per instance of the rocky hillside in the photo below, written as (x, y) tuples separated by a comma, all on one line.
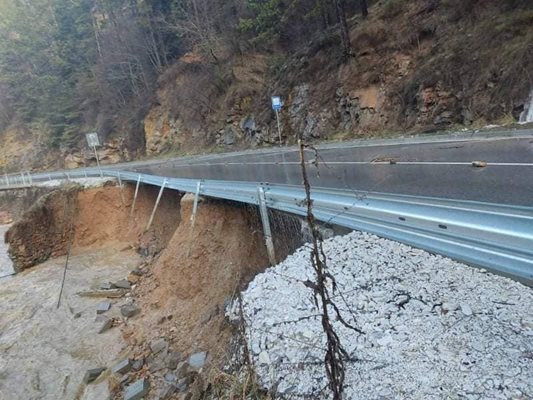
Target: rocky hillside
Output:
[(418, 66)]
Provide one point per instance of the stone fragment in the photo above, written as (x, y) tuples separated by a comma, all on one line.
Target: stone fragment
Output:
[(106, 286), (171, 378), (103, 307), (108, 324), (129, 310), (123, 367), (122, 284), (172, 360), (166, 391), (465, 309), (137, 390), (158, 345), (197, 360), (137, 364), (92, 374), (133, 279)]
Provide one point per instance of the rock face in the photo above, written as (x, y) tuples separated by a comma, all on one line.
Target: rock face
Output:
[(425, 319), (44, 231)]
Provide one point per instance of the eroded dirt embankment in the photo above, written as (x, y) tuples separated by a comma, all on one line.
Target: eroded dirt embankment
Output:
[(188, 274), (91, 218)]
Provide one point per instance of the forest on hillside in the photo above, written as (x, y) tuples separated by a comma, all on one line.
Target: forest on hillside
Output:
[(71, 65)]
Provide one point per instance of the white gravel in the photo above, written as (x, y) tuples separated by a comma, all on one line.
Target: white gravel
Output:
[(462, 332)]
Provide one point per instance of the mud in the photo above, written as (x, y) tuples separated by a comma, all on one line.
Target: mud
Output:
[(45, 351)]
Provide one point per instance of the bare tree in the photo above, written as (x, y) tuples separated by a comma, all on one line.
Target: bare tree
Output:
[(344, 33), (364, 8)]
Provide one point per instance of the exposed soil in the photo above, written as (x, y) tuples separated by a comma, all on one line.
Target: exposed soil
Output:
[(96, 217), (184, 297)]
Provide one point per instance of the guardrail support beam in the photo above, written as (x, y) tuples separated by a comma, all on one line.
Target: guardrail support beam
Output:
[(267, 232), (135, 195), (156, 204)]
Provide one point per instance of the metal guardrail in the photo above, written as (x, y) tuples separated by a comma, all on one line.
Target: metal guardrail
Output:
[(495, 237)]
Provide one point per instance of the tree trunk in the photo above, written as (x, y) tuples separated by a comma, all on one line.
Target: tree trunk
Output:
[(345, 36), (364, 8)]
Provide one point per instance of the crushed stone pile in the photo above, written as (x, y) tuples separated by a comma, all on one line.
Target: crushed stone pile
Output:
[(433, 328)]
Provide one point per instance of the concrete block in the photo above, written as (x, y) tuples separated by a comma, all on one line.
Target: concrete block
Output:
[(106, 325), (122, 284), (123, 367), (92, 374), (137, 390), (103, 307)]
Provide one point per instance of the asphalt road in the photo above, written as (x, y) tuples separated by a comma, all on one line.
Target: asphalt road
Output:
[(426, 166)]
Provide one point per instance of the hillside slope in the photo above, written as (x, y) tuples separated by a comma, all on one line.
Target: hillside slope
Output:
[(418, 66)]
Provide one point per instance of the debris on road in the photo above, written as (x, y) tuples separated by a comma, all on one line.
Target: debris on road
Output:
[(103, 307), (137, 390), (92, 374), (129, 310)]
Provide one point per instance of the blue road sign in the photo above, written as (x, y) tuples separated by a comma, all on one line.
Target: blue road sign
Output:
[(276, 103)]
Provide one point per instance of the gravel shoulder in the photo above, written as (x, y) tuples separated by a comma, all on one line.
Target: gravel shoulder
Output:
[(433, 328)]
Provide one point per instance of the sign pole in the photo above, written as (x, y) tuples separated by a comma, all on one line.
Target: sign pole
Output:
[(98, 162), (279, 128)]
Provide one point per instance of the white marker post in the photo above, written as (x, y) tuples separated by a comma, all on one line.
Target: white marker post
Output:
[(276, 106), (93, 141)]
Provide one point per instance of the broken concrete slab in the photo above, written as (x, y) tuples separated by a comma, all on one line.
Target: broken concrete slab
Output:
[(92, 374), (123, 367), (129, 310), (106, 325), (137, 390), (122, 284), (103, 307), (197, 360)]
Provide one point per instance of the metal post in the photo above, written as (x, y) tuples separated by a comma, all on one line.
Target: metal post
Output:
[(195, 204), (85, 173), (266, 225), (98, 162), (193, 215), (156, 204), (7, 179), (279, 128), (30, 178), (22, 176), (135, 195), (121, 188)]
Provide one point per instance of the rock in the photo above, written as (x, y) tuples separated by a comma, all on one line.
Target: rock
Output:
[(137, 390), (92, 374), (172, 360), (137, 365), (77, 315), (129, 310), (133, 279), (171, 378), (123, 367), (166, 391), (108, 324), (465, 309), (182, 369), (106, 286), (158, 345), (197, 360), (103, 307), (122, 284)]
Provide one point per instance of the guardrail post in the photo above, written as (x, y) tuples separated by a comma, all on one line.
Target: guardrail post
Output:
[(22, 176), (30, 178), (7, 180), (156, 204), (121, 188), (135, 195), (267, 232), (195, 204)]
